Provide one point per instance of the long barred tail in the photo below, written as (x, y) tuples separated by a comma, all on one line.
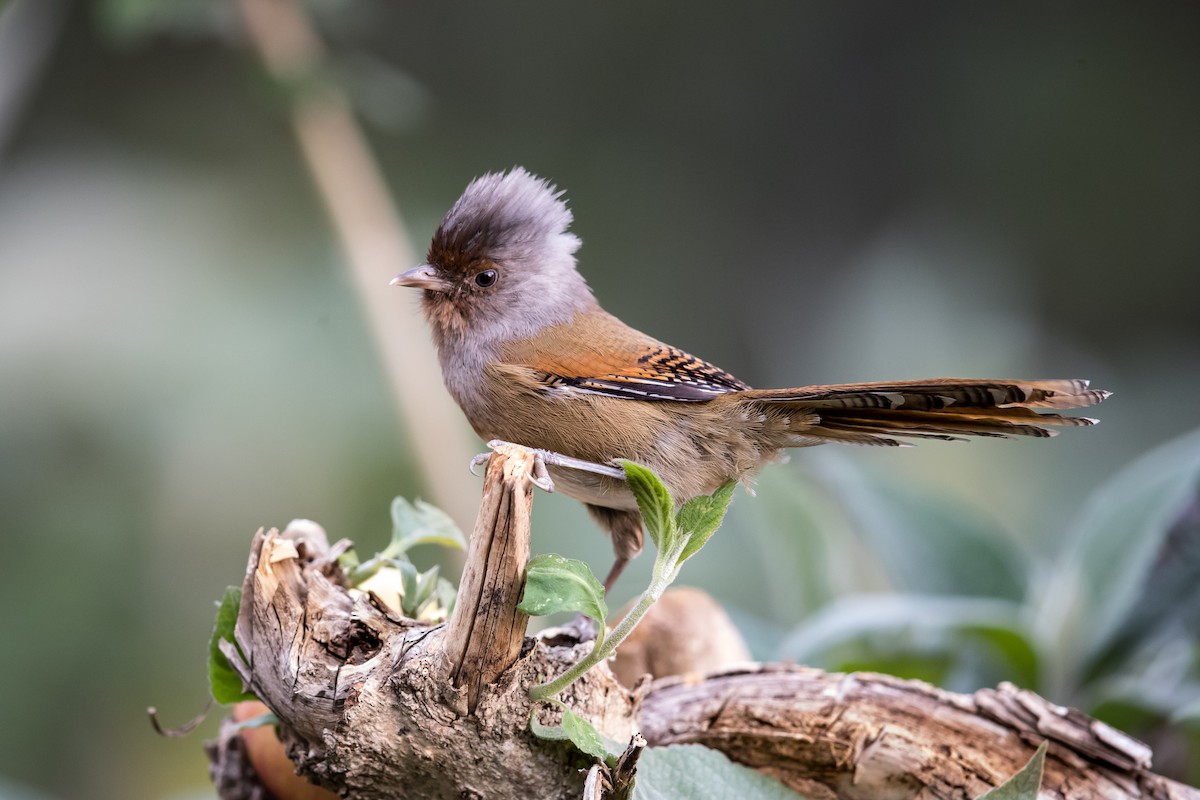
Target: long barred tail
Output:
[(941, 408)]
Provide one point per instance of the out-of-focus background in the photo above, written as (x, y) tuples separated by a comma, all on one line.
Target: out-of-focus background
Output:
[(801, 192)]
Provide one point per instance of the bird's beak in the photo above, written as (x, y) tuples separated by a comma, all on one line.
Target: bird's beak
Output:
[(423, 277)]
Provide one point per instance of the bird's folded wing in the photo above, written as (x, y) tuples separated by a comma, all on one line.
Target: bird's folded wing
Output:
[(665, 374)]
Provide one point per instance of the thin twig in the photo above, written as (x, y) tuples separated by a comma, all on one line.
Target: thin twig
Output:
[(375, 242)]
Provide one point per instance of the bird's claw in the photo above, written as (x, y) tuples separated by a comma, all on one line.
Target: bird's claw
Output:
[(481, 458), (541, 476)]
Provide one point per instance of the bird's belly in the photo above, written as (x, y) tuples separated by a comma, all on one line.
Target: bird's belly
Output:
[(694, 448), (596, 490)]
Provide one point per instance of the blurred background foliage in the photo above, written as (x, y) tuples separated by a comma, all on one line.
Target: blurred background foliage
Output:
[(801, 192)]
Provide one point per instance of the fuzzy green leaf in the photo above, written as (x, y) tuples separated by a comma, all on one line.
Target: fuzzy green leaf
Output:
[(1025, 784), (583, 735), (554, 583), (701, 516), (548, 733), (574, 729), (655, 502), (696, 772), (422, 523), (226, 684)]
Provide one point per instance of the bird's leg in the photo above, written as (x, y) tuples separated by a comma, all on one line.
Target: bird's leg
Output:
[(617, 568), (540, 477), (542, 458)]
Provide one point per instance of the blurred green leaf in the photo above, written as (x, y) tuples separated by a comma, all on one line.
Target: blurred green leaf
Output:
[(226, 684), (1111, 548), (1189, 713), (408, 586), (937, 635), (654, 499), (1166, 612), (446, 595), (1025, 784), (1157, 676), (422, 523), (426, 584), (695, 772), (554, 583), (927, 543), (127, 20), (701, 516), (805, 542)]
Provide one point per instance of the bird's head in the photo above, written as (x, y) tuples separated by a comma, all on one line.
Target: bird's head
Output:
[(501, 265)]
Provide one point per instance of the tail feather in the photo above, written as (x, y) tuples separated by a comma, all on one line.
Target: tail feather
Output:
[(944, 408)]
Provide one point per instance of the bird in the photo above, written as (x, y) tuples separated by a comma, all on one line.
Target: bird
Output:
[(530, 357)]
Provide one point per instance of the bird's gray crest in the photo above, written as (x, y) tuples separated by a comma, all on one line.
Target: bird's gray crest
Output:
[(511, 216)]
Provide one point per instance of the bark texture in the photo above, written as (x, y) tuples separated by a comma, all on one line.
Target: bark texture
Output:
[(375, 706), (866, 737)]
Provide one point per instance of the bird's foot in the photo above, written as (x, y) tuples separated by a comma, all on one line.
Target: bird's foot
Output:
[(543, 458)]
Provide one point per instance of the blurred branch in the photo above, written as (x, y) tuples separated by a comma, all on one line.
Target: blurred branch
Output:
[(375, 242), (28, 30)]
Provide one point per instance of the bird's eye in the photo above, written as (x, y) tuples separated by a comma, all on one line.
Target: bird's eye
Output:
[(486, 278)]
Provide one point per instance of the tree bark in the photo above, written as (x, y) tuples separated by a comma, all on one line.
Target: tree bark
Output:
[(374, 706)]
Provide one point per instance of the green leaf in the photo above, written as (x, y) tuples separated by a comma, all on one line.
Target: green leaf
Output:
[(578, 731), (695, 772), (426, 584), (654, 499), (554, 583), (226, 684), (549, 733), (408, 586), (701, 516), (1025, 784), (422, 523), (583, 735), (446, 595), (574, 729), (348, 561)]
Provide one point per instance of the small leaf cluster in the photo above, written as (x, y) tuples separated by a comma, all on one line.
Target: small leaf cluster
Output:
[(422, 595), (554, 583), (677, 535)]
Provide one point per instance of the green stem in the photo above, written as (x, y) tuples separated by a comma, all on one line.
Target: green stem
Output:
[(606, 646), (601, 651)]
